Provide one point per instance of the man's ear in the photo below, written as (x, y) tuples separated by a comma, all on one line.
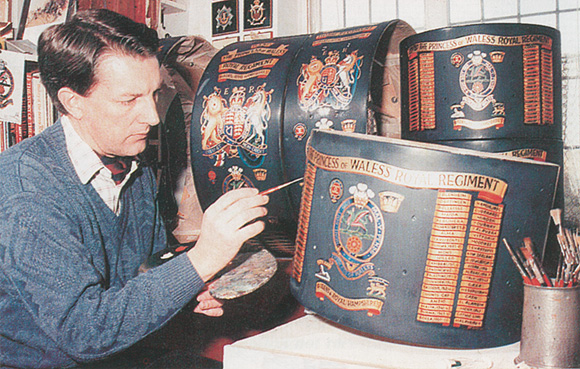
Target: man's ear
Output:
[(72, 102)]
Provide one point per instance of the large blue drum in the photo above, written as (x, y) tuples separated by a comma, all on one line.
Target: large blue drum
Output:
[(403, 239), (258, 101)]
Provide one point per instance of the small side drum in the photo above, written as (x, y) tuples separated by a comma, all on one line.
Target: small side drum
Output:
[(403, 239)]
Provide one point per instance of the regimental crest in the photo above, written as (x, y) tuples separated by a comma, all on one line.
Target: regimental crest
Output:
[(6, 85), (236, 127), (257, 16), (224, 17), (330, 82), (357, 234), (477, 80), (236, 179), (335, 190), (300, 131)]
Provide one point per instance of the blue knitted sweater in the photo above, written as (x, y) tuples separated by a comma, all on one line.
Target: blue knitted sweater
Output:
[(69, 287)]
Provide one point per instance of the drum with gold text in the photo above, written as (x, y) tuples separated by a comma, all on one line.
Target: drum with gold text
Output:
[(403, 239), (258, 101)]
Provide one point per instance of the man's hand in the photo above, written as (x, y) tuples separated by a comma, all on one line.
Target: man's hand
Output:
[(226, 225), (208, 305)]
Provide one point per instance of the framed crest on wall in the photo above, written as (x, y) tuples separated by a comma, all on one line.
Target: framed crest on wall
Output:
[(224, 16), (257, 14)]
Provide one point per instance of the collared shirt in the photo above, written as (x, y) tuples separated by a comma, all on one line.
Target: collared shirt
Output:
[(91, 169)]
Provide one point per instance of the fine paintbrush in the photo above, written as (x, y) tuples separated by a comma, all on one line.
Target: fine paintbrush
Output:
[(279, 187)]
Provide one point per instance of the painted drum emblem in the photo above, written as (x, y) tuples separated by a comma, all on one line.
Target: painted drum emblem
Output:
[(335, 190), (477, 80), (237, 126), (456, 59), (260, 174), (236, 179), (300, 131), (331, 83), (348, 125), (211, 175), (358, 233)]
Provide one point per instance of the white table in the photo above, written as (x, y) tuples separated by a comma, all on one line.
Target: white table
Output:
[(311, 342)]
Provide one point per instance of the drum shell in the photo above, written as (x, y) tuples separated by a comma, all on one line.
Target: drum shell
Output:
[(482, 81), (277, 65), (380, 289), (375, 49)]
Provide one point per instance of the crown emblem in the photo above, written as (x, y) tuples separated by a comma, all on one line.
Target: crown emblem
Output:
[(390, 201), (238, 96), (332, 58), (361, 194), (236, 172), (260, 174), (497, 56), (348, 125)]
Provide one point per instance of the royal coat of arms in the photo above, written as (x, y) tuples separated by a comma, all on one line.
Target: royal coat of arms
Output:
[(236, 127), (329, 83)]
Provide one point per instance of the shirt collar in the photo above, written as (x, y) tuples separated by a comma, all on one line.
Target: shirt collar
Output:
[(84, 159)]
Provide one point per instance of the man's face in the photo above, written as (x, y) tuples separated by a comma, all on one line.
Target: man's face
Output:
[(120, 108)]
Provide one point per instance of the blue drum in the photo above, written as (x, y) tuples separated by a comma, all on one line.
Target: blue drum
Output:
[(403, 239), (258, 101)]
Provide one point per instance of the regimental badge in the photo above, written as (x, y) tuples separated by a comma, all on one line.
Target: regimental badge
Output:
[(236, 127), (257, 17), (357, 234), (348, 125), (300, 131), (224, 18), (335, 190), (257, 14), (6, 85), (236, 179), (329, 83), (477, 80), (211, 176), (324, 124), (260, 174)]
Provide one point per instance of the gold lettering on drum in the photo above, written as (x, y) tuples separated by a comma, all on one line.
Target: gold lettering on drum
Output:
[(480, 254), (427, 90), (481, 39), (373, 306), (538, 85), (437, 271), (488, 188), (451, 295)]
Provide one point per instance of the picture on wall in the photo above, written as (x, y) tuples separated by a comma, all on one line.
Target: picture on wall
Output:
[(224, 17), (39, 15), (4, 11), (257, 14)]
